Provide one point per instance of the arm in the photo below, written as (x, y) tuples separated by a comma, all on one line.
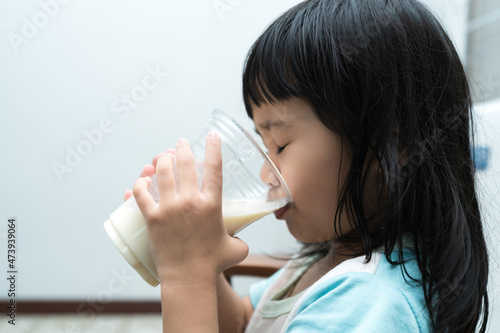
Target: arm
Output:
[(188, 240), (189, 308), (233, 311), (208, 306)]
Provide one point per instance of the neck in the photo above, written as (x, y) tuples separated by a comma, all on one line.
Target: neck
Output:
[(337, 255)]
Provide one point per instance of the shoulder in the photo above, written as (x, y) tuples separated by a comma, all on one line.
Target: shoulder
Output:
[(363, 297), (266, 288)]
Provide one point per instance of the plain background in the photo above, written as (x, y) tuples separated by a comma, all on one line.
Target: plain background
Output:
[(70, 77)]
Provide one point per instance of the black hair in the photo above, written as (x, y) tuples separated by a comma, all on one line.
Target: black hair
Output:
[(385, 76)]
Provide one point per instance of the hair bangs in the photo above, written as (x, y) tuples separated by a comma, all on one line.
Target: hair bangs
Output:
[(273, 67)]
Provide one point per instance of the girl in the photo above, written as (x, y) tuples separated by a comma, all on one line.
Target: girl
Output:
[(365, 109)]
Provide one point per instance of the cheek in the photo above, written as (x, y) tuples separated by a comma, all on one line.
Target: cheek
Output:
[(320, 170), (313, 181)]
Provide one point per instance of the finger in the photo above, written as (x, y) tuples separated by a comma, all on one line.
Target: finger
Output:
[(144, 200), (148, 170), (212, 171), (239, 251), (155, 159), (127, 195), (186, 171), (165, 177)]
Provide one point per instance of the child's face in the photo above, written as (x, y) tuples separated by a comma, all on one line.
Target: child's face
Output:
[(307, 154)]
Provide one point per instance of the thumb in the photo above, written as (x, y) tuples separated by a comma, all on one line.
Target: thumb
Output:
[(238, 252), (128, 193)]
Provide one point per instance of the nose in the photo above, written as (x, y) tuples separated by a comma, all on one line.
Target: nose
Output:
[(267, 175), (276, 191)]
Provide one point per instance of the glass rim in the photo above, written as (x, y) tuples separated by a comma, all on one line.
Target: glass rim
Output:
[(217, 112)]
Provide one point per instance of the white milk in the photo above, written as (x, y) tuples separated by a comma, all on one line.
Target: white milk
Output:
[(127, 229), (239, 214)]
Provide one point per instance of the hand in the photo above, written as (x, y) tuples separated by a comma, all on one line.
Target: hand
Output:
[(147, 171), (187, 237)]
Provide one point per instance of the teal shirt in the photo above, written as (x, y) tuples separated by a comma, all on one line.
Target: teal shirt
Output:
[(358, 297)]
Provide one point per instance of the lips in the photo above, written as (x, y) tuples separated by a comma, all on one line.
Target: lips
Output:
[(281, 212)]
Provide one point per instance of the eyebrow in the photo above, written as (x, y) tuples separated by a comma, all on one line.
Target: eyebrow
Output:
[(267, 126)]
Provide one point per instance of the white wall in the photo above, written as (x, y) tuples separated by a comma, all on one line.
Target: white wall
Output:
[(69, 76)]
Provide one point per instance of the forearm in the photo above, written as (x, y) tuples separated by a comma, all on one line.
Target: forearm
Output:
[(189, 308), (233, 311)]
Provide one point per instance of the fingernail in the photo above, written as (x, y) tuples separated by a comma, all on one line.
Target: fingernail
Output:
[(182, 141), (160, 155), (213, 134)]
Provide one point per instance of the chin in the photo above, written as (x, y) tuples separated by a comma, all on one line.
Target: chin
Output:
[(301, 237), (307, 238)]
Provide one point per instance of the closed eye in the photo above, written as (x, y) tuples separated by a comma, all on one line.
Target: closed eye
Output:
[(280, 149)]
